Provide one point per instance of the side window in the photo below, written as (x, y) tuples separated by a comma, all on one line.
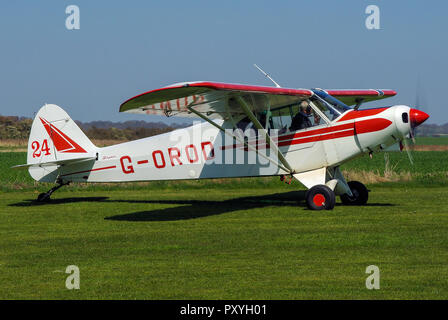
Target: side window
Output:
[(290, 118), (281, 120), (303, 116)]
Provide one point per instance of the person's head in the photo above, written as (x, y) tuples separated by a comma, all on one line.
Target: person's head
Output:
[(305, 107)]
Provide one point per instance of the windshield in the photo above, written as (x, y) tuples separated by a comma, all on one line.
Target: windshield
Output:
[(334, 103), (327, 109)]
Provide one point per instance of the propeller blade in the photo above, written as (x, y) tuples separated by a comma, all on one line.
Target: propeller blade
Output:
[(412, 135), (420, 104), (408, 151)]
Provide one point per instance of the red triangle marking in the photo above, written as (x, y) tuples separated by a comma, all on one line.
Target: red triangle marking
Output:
[(60, 140)]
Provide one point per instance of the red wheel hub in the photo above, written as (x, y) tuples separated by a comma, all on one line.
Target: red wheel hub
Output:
[(319, 200)]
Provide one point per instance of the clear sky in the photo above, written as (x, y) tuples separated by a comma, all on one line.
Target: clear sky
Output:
[(124, 48)]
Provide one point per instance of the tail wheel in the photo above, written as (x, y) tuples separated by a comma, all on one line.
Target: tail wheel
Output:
[(43, 197), (320, 197), (360, 194)]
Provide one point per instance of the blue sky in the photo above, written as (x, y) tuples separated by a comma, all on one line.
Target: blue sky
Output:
[(124, 48)]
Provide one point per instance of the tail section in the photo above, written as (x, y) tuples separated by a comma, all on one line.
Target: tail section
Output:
[(55, 139)]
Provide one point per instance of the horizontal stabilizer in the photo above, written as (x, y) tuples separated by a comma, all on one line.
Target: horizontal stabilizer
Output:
[(52, 163)]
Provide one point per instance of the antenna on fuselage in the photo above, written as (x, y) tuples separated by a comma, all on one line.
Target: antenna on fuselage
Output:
[(267, 76)]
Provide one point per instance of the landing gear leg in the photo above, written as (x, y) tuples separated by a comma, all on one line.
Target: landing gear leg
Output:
[(44, 197)]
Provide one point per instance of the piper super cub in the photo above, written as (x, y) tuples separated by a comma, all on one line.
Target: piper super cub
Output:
[(247, 131)]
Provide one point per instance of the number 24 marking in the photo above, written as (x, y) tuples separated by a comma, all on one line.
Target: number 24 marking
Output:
[(38, 150)]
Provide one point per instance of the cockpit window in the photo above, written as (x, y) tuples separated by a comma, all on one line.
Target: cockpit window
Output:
[(290, 118), (334, 103), (330, 112)]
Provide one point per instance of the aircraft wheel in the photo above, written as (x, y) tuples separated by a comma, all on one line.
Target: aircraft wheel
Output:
[(320, 197), (43, 197), (360, 194)]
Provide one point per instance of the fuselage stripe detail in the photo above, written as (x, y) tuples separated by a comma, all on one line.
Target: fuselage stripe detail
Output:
[(97, 169), (356, 114), (346, 130)]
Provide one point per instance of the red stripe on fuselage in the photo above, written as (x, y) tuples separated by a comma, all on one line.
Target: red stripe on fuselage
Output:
[(371, 125), (97, 169), (302, 134), (355, 114), (333, 135), (339, 131), (316, 131)]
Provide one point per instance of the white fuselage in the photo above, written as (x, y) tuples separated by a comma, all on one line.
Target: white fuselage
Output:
[(203, 151)]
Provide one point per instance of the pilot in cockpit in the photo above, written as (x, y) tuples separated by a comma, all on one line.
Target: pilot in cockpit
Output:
[(301, 119)]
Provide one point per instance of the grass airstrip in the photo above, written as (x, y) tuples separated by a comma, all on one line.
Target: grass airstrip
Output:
[(228, 239)]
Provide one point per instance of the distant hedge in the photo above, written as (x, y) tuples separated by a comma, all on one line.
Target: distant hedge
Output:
[(12, 127)]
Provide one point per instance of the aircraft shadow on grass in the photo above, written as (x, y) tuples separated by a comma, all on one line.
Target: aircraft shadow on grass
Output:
[(33, 202), (191, 209)]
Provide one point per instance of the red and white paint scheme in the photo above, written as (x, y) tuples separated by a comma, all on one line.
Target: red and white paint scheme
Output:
[(246, 131)]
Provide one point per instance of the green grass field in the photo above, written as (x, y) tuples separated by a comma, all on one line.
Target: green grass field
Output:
[(225, 239), (432, 141)]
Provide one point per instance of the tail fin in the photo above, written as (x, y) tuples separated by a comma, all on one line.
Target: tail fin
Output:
[(55, 137)]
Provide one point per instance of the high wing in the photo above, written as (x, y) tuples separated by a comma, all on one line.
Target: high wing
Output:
[(354, 96), (213, 99), (216, 99)]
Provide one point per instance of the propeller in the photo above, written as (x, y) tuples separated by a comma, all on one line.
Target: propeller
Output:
[(416, 116), (408, 150)]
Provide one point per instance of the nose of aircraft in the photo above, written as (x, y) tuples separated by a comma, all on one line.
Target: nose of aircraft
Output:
[(417, 117)]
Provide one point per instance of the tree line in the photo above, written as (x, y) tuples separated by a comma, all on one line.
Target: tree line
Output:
[(12, 127)]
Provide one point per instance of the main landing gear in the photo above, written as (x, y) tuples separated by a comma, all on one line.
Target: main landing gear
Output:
[(360, 194), (321, 197), (45, 196)]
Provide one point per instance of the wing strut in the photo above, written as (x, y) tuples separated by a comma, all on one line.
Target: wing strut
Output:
[(200, 115), (259, 126)]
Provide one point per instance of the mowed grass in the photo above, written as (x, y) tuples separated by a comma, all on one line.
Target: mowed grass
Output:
[(224, 239), (434, 141), (223, 244)]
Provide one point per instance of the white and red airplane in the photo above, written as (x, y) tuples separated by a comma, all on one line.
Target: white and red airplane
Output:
[(248, 131)]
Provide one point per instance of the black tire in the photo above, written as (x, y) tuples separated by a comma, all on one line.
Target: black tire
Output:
[(43, 197), (360, 194), (320, 197)]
